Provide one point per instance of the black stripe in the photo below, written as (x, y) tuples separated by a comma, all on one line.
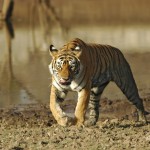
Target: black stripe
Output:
[(58, 83), (82, 79), (83, 87), (118, 55), (90, 51), (95, 54), (109, 54), (103, 58), (99, 57), (97, 73), (107, 57), (109, 49)]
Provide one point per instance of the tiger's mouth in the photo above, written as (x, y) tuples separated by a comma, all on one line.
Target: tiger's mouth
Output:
[(65, 81)]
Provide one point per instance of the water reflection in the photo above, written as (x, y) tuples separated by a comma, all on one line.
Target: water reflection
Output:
[(21, 78), (49, 24), (6, 72)]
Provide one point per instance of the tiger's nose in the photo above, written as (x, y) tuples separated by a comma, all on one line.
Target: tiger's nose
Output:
[(65, 78), (65, 81)]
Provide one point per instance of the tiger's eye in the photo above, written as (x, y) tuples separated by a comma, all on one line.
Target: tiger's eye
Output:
[(58, 65), (72, 68)]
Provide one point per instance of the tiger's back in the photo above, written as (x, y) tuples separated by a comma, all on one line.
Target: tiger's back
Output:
[(104, 58)]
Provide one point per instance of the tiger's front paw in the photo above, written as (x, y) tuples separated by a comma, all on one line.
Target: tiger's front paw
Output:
[(78, 123), (65, 121)]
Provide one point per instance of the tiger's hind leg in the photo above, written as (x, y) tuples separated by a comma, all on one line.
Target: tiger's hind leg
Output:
[(125, 81), (94, 104)]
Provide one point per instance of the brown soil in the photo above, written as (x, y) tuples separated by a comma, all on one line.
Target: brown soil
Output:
[(33, 127)]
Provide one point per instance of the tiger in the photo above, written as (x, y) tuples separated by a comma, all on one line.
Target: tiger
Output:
[(87, 68)]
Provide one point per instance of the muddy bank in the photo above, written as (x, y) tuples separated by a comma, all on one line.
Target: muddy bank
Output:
[(33, 127)]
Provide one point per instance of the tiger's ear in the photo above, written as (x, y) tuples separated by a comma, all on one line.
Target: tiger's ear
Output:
[(78, 51), (53, 50)]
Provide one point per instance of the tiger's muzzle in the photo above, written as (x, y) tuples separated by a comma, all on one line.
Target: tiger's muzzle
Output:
[(64, 81)]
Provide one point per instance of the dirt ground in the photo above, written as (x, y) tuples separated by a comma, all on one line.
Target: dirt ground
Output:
[(32, 127)]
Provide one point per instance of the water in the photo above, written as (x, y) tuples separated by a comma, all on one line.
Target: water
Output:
[(23, 72)]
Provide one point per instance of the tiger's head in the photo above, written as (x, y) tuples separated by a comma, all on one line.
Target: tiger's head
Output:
[(65, 64)]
